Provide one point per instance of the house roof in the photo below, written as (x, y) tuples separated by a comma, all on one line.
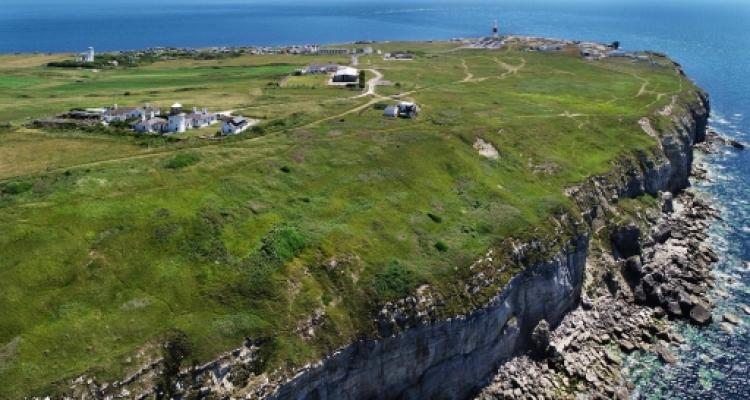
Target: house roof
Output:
[(120, 110), (347, 71), (200, 114), (237, 121)]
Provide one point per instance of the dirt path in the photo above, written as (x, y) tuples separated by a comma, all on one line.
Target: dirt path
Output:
[(371, 84), (510, 69), (469, 77)]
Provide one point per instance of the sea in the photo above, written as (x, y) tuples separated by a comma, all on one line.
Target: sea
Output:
[(710, 38)]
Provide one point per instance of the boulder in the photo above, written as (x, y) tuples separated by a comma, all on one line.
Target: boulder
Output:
[(674, 309), (731, 318), (540, 339), (626, 240), (737, 145), (633, 269), (700, 315), (667, 205), (665, 355), (627, 346)]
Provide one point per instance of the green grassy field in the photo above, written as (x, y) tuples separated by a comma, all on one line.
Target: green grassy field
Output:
[(108, 242)]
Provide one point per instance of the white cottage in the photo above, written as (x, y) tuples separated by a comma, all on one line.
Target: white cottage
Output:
[(235, 125)]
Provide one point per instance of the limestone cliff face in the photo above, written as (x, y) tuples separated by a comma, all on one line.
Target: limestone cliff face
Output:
[(452, 359)]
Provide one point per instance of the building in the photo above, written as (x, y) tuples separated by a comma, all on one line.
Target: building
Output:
[(152, 125), (120, 114), (321, 68), (176, 108), (407, 109), (177, 123), (403, 109), (235, 125), (87, 56), (391, 112), (399, 56), (346, 75), (333, 51), (201, 118)]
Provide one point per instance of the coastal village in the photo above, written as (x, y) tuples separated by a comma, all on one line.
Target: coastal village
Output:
[(148, 119)]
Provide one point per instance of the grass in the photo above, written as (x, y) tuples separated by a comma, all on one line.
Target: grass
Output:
[(111, 242)]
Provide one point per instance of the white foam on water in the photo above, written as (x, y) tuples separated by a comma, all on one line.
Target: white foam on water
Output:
[(720, 120)]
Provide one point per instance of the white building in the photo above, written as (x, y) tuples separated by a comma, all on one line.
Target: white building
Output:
[(201, 118), (235, 125), (87, 56), (177, 123), (346, 75), (333, 51), (403, 109), (122, 114), (152, 125)]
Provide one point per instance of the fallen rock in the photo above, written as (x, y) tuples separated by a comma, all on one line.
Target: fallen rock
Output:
[(726, 327), (674, 309), (745, 308), (731, 318), (540, 339), (665, 355), (626, 240), (627, 346), (700, 315), (737, 145)]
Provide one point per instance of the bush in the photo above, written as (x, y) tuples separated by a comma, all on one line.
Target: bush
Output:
[(278, 246), (282, 244), (183, 160), (441, 247), (435, 218), (16, 187), (394, 282)]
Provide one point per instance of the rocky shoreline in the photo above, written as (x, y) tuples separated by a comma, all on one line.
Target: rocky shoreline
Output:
[(660, 276)]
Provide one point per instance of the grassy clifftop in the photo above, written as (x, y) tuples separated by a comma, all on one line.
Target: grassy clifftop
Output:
[(298, 234)]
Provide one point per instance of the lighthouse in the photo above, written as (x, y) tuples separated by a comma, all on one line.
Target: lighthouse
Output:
[(495, 30)]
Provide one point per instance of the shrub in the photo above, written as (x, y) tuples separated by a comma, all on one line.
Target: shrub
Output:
[(441, 247), (394, 282), (435, 218), (285, 169), (282, 244), (183, 160), (16, 187)]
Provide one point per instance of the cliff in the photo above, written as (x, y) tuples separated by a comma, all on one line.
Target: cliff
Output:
[(452, 359)]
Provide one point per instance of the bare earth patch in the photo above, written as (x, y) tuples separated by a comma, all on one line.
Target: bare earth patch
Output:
[(486, 149)]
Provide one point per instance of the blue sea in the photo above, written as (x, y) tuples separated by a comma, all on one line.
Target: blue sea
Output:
[(710, 38)]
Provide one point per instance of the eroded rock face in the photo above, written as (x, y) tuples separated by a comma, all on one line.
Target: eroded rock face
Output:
[(450, 359)]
